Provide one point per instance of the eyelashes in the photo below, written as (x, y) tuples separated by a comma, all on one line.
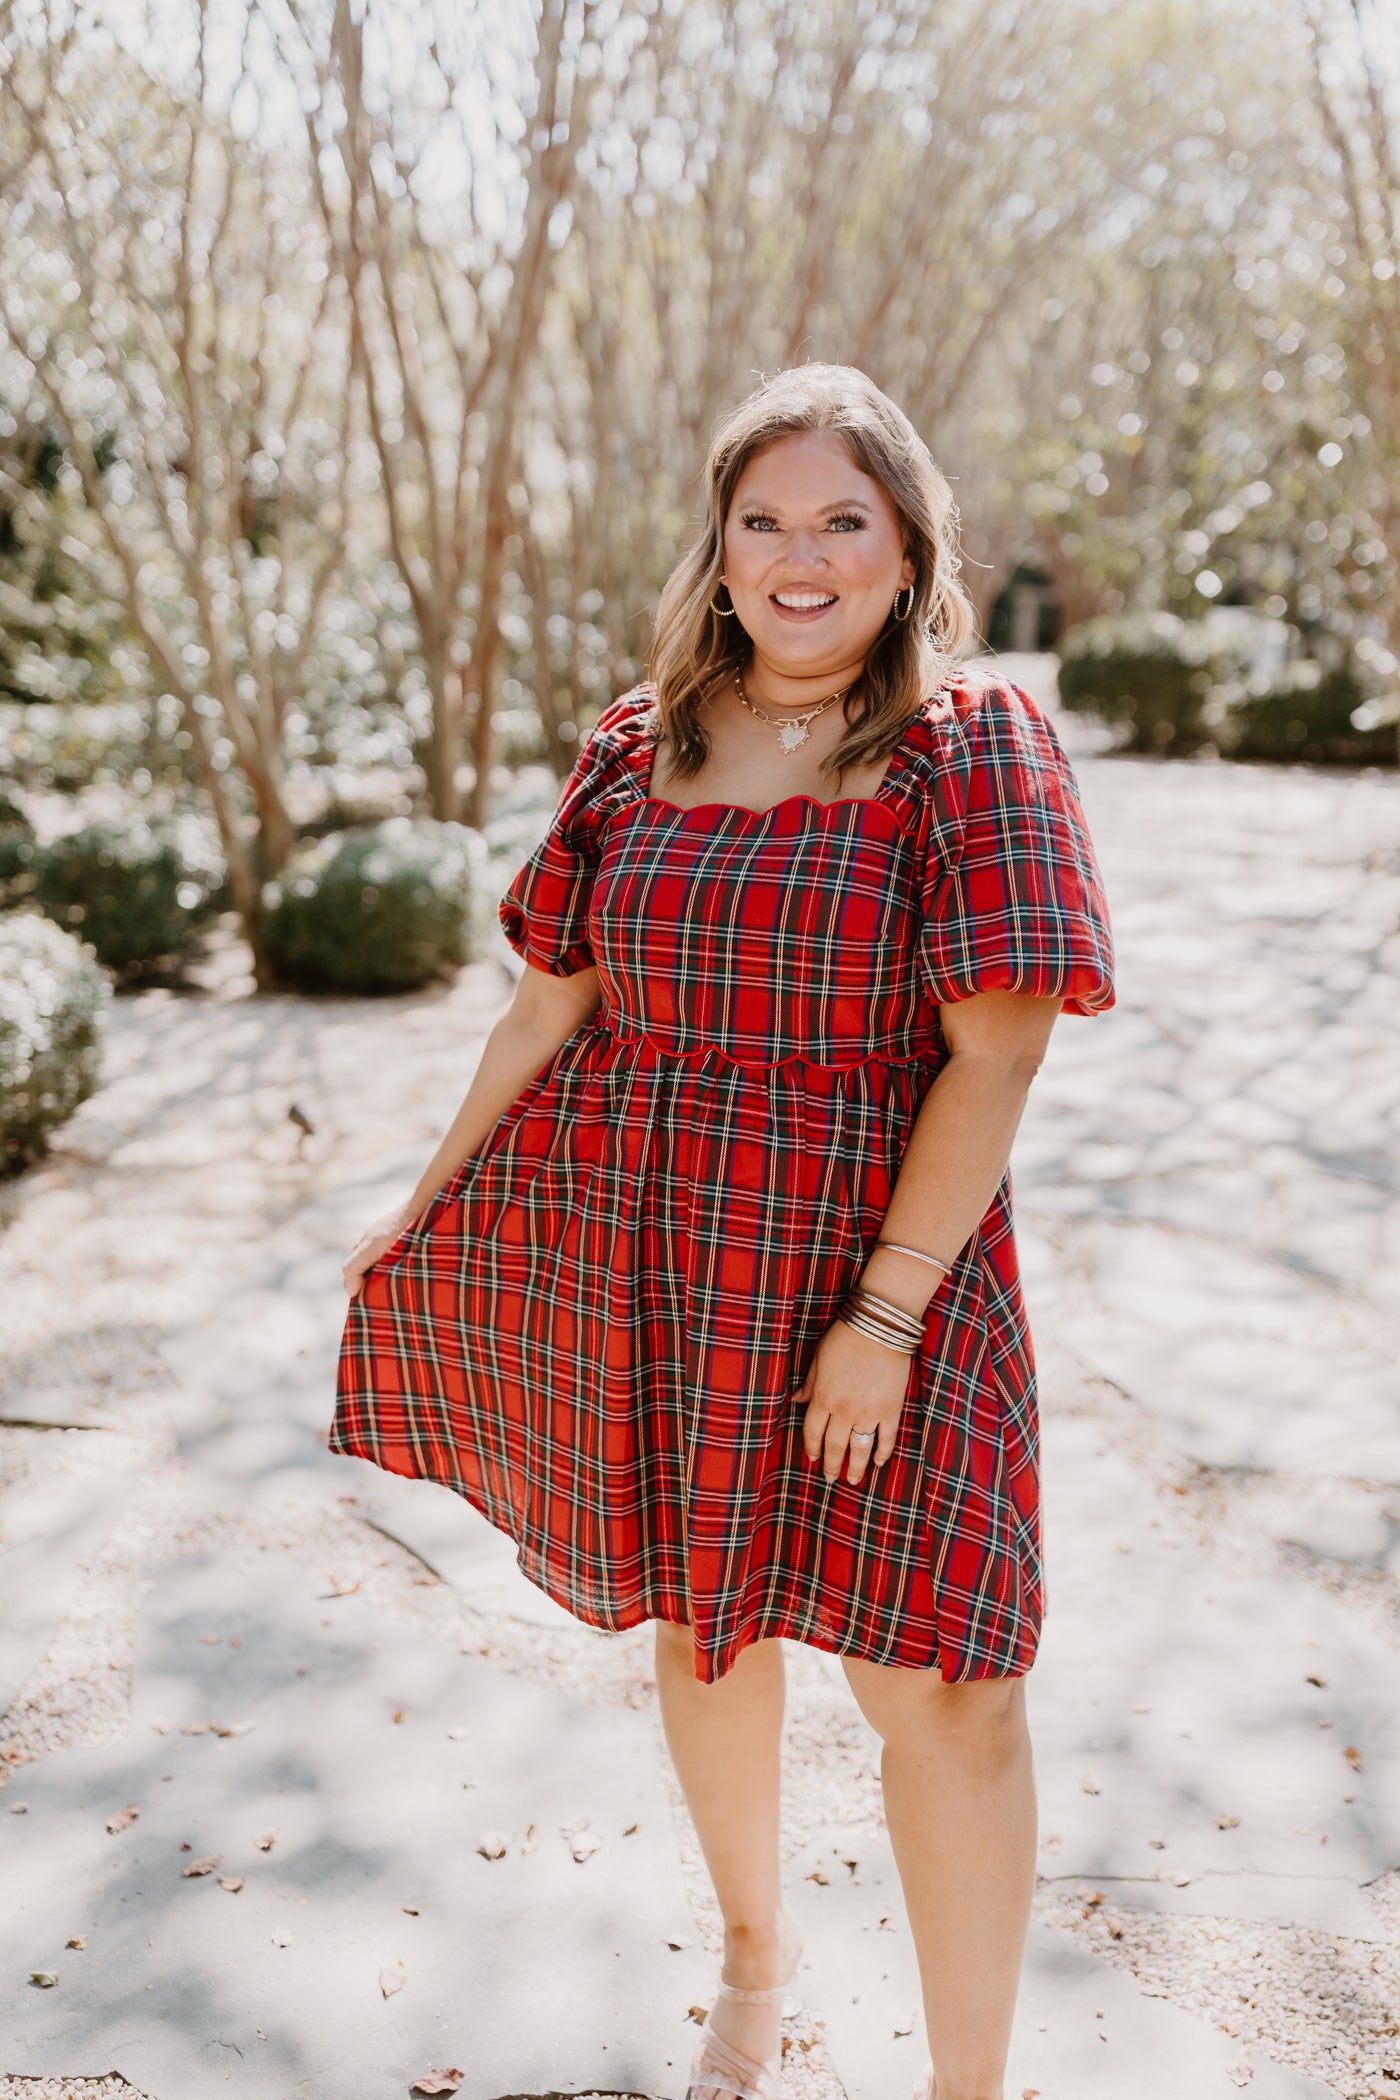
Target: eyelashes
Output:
[(842, 517)]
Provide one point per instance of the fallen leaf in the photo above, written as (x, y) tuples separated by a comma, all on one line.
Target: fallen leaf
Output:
[(819, 1878), (584, 1846), (340, 1587), (1227, 1822), (410, 1910), (45, 1978), (492, 1844), (1320, 1682), (392, 1979), (123, 1819), (79, 1940), (676, 1941), (237, 1728), (1353, 1757), (232, 1882), (904, 2026), (200, 1866), (698, 2013), (631, 1830), (398, 1713), (267, 1841), (1090, 1897), (530, 1839), (438, 2082)]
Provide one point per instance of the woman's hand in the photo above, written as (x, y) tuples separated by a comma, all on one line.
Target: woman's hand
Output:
[(852, 1383), (373, 1242)]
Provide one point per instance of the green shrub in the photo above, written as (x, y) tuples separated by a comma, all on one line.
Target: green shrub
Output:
[(17, 849), (1301, 711), (140, 891), (1172, 685), (53, 1004), (381, 909), (1148, 675)]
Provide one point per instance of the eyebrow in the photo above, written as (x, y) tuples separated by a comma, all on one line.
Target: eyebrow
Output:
[(847, 503)]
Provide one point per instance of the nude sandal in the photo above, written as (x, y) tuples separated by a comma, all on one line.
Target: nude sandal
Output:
[(720, 2068)]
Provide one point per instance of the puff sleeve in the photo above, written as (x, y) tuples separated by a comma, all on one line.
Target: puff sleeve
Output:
[(544, 913), (1013, 897)]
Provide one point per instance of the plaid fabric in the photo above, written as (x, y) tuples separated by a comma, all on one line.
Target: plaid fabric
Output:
[(595, 1329)]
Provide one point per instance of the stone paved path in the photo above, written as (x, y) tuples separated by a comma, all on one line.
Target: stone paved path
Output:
[(1206, 1185)]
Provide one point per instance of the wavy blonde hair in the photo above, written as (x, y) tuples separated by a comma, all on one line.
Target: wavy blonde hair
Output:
[(695, 651)]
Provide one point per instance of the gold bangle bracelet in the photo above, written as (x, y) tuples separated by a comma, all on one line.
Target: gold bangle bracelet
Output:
[(881, 1309), (931, 1259), (859, 1326)]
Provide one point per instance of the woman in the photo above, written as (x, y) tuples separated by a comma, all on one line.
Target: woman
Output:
[(709, 1297)]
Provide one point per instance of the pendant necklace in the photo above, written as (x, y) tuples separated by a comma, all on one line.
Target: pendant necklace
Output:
[(792, 731)]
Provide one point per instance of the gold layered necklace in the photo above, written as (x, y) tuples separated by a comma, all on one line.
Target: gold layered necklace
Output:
[(792, 729)]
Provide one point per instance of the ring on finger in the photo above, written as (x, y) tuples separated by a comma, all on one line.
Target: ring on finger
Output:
[(862, 1436)]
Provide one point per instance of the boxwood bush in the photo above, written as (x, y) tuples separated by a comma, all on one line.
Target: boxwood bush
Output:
[(376, 909), (1304, 712), (141, 891), (1148, 675), (18, 848), (1171, 685), (53, 1006)]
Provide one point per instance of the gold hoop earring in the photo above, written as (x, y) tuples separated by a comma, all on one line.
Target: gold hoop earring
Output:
[(725, 613), (909, 607)]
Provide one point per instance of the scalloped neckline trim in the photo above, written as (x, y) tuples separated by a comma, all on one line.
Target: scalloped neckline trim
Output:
[(896, 763)]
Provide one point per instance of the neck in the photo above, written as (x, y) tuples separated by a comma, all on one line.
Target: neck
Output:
[(785, 693)]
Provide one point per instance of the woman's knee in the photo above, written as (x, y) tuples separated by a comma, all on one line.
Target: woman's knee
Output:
[(985, 1716)]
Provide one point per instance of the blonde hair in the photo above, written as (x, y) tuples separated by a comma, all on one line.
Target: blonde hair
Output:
[(695, 651)]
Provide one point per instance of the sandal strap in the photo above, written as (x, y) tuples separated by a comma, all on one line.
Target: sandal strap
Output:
[(741, 1995)]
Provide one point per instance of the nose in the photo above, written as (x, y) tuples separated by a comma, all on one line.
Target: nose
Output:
[(805, 546)]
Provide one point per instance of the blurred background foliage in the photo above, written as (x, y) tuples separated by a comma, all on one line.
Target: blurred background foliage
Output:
[(358, 358)]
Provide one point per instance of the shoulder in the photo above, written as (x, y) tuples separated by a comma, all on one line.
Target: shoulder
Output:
[(985, 708), (612, 765), (631, 718)]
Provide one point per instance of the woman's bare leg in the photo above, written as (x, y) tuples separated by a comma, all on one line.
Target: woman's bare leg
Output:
[(724, 1739), (959, 1785)]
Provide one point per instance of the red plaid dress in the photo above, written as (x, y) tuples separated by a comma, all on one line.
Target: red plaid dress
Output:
[(595, 1329)]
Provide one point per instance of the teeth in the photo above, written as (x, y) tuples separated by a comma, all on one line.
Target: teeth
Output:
[(799, 600)]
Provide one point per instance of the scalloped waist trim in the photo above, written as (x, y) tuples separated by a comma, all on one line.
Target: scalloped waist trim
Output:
[(639, 1038)]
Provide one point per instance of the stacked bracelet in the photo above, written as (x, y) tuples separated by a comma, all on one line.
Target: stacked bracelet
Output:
[(880, 1321)]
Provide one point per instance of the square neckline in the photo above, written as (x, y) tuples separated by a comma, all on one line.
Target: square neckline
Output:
[(894, 764)]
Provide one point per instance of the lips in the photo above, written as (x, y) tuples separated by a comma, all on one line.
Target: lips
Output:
[(803, 604)]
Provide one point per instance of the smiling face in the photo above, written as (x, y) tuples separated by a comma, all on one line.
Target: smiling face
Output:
[(813, 558)]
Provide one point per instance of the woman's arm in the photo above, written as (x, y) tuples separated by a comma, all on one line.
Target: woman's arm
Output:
[(952, 1167), (543, 1013)]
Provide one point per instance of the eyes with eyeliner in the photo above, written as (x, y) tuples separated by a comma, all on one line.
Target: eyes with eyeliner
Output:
[(754, 519)]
